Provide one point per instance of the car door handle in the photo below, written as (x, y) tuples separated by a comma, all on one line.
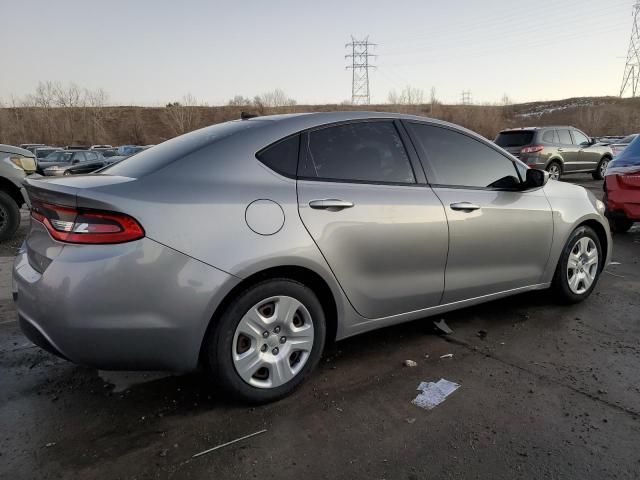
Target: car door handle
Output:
[(331, 204), (464, 206)]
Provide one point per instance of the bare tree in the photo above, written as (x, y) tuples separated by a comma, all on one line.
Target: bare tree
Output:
[(408, 96), (183, 116), (274, 98), (239, 101)]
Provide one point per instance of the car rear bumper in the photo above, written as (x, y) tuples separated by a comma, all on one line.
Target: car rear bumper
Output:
[(622, 200), (134, 306)]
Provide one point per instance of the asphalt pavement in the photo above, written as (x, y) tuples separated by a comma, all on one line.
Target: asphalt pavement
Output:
[(546, 391)]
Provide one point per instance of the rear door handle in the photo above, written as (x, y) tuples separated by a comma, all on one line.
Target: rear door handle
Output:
[(332, 204), (464, 206)]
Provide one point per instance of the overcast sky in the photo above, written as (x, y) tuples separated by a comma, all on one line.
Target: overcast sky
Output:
[(150, 52)]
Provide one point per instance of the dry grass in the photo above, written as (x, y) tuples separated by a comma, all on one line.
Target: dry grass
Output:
[(142, 125)]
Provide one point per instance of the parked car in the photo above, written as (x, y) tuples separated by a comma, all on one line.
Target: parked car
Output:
[(253, 242), (621, 144), (558, 150), (609, 139), (100, 147), (128, 150), (58, 160), (42, 152), (29, 146), (15, 164), (622, 188), (82, 168)]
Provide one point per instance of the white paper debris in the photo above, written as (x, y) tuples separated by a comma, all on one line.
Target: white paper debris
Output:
[(615, 263), (434, 393), (447, 355)]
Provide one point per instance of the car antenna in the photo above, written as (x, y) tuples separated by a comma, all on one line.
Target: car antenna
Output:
[(247, 116)]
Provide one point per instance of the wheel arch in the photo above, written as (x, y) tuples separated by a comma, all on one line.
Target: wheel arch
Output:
[(12, 190), (301, 274), (602, 236)]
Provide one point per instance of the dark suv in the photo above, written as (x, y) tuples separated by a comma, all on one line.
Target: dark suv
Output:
[(558, 150)]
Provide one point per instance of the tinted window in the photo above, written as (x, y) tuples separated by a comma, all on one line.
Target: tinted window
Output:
[(514, 139), (363, 151), (78, 157), (282, 156), (457, 159), (564, 137), (580, 138), (550, 136)]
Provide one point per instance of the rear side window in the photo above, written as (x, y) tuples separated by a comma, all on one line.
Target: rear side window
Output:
[(514, 139), (550, 137), (458, 160), (360, 152), (282, 156), (565, 137)]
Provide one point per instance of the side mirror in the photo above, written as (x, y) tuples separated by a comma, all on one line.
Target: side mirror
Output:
[(75, 161), (536, 178), (593, 141)]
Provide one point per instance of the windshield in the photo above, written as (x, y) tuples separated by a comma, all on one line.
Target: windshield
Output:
[(514, 139), (58, 157)]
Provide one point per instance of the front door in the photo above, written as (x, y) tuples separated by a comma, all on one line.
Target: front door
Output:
[(384, 236), (568, 150), (500, 238)]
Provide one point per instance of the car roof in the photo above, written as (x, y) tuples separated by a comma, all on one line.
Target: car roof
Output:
[(536, 128), (18, 150)]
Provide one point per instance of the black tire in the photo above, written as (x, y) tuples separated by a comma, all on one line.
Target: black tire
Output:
[(620, 224), (556, 164), (218, 345), (597, 174), (9, 216), (560, 284)]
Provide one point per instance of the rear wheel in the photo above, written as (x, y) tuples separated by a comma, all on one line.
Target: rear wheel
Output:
[(579, 266), (555, 170), (268, 341), (9, 216), (620, 224), (601, 169)]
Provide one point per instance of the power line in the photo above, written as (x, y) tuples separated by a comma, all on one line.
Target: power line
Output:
[(360, 92), (631, 76), (466, 97)]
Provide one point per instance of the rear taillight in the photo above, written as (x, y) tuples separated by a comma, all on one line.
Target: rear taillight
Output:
[(532, 149), (78, 225)]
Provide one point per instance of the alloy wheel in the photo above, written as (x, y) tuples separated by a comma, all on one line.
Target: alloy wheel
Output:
[(582, 265), (554, 171), (603, 167), (3, 218), (272, 342)]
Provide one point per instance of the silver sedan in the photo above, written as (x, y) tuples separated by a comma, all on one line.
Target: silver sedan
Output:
[(245, 246)]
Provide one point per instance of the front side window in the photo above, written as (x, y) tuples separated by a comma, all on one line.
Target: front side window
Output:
[(360, 152), (456, 159), (565, 137), (580, 138)]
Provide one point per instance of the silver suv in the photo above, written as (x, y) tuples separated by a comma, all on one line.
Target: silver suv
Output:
[(558, 150), (15, 164), (245, 246)]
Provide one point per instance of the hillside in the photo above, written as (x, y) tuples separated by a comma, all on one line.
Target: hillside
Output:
[(150, 125)]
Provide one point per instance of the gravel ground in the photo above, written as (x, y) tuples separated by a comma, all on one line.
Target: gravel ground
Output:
[(550, 392)]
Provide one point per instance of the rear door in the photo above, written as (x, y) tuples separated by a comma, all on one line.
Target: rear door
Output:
[(500, 237), (568, 150), (383, 234)]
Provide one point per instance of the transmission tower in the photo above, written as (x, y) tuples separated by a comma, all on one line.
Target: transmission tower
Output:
[(631, 76), (466, 97), (360, 93)]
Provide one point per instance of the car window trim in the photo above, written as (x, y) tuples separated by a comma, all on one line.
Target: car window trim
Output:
[(428, 170), (392, 121), (273, 144)]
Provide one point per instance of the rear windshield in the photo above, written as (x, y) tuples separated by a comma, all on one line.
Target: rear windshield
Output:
[(629, 158), (155, 158), (514, 139), (628, 138)]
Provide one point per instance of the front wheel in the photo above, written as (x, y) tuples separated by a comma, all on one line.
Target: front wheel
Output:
[(579, 266), (268, 341), (620, 224), (9, 216), (601, 169)]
